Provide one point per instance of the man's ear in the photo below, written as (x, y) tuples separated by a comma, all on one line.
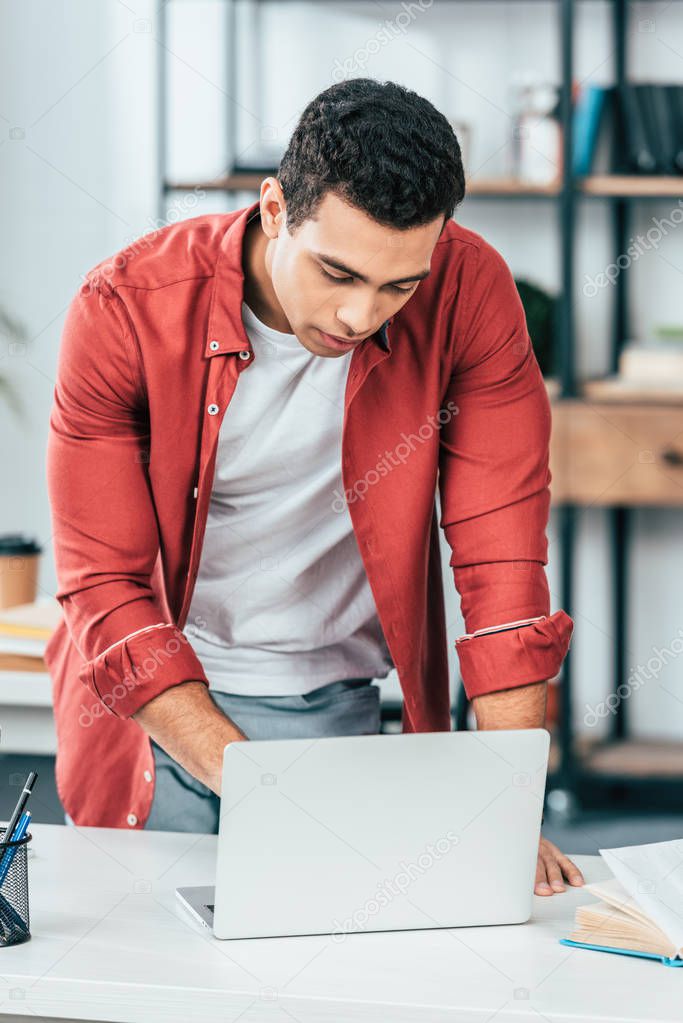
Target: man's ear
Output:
[(273, 209)]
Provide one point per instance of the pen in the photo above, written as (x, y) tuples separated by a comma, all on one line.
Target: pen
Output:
[(22, 828), (19, 808)]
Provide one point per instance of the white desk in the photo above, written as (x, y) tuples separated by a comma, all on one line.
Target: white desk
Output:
[(111, 942)]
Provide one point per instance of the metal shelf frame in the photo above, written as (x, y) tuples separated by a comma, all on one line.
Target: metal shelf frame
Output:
[(571, 777)]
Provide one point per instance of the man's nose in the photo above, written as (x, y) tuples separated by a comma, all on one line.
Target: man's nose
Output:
[(358, 320)]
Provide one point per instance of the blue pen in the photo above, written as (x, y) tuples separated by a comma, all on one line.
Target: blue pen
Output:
[(19, 832)]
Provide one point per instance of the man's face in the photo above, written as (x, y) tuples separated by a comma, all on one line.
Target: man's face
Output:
[(341, 275)]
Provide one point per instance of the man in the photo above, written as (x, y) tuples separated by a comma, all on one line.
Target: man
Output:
[(250, 416)]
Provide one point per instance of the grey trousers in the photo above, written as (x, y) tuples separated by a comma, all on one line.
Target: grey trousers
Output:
[(347, 707)]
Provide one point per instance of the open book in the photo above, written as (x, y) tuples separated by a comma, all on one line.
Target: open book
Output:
[(641, 907)]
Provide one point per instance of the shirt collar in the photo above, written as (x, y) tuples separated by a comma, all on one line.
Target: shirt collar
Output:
[(226, 331), (382, 336)]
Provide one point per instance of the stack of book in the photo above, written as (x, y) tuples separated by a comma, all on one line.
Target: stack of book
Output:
[(24, 632), (651, 370)]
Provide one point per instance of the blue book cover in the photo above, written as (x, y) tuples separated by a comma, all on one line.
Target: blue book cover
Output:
[(666, 960), (587, 115)]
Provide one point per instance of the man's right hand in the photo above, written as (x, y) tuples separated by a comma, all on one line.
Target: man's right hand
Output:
[(185, 721)]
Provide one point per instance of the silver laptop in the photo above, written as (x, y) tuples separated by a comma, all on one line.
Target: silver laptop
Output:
[(375, 832)]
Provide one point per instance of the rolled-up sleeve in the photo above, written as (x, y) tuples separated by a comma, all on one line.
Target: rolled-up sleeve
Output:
[(494, 486), (104, 528)]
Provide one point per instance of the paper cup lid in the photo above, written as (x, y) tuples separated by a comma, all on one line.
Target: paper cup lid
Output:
[(15, 543)]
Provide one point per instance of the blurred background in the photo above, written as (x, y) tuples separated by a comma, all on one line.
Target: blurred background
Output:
[(120, 117)]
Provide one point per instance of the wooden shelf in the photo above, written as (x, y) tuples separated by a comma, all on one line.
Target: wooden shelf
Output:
[(485, 187), (499, 187), (616, 454), (626, 758), (618, 391), (229, 183), (631, 186), (637, 758), (607, 185)]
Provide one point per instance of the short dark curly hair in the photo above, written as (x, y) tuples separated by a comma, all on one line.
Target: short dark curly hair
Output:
[(378, 146)]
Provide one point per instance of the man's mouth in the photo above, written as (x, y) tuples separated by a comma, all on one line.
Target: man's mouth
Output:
[(341, 342)]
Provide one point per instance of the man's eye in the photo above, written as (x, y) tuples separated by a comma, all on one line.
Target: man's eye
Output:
[(343, 280), (331, 277), (404, 291)]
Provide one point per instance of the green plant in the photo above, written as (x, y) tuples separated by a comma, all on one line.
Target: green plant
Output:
[(540, 309)]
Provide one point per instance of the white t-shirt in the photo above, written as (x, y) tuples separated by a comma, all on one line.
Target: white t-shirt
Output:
[(281, 586)]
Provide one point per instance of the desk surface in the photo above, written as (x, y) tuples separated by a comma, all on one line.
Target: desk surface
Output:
[(112, 942)]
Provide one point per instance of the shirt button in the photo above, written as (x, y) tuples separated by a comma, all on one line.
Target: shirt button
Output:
[(244, 355), (147, 775), (214, 346), (132, 819), (212, 410)]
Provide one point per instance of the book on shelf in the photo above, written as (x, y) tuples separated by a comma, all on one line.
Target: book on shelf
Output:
[(633, 128), (640, 912), (652, 370), (636, 132), (588, 114), (674, 95), (652, 363)]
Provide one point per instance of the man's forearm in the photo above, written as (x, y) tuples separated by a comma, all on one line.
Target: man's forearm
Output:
[(520, 707), (186, 722)]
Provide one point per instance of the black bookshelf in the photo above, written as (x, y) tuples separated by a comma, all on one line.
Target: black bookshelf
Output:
[(571, 783)]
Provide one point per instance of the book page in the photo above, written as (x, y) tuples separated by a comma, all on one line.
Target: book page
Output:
[(618, 920), (614, 894), (653, 875)]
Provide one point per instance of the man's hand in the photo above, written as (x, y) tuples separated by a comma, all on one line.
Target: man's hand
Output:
[(551, 867), (186, 722)]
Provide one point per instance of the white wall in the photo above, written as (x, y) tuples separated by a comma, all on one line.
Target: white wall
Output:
[(81, 83), (77, 181)]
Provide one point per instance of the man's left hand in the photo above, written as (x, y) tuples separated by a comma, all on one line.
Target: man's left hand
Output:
[(551, 867)]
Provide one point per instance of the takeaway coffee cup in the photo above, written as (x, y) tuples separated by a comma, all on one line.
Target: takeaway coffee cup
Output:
[(19, 560)]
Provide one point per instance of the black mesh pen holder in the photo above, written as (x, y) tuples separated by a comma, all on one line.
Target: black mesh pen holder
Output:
[(15, 925)]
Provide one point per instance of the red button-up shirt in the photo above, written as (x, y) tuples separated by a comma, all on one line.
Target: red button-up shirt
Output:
[(448, 393)]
